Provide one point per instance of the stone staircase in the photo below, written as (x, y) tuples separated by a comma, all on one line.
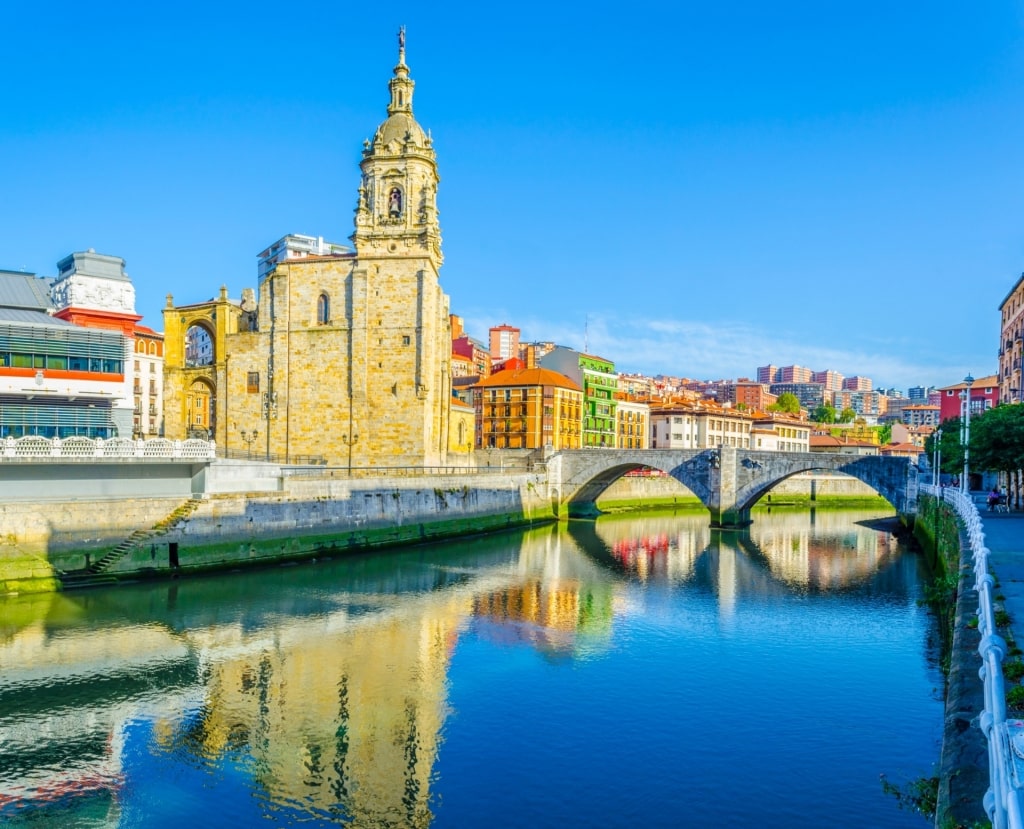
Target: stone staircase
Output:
[(96, 572)]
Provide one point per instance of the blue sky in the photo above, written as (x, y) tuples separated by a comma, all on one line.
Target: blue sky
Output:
[(685, 188)]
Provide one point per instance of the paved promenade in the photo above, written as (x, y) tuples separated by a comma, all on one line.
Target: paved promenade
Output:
[(1004, 537), (964, 768)]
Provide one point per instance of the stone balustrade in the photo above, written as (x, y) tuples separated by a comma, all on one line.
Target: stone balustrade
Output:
[(33, 448)]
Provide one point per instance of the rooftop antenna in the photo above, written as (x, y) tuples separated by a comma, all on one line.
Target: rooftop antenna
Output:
[(586, 327)]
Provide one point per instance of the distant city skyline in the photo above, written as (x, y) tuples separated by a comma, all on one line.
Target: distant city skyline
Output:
[(688, 190)]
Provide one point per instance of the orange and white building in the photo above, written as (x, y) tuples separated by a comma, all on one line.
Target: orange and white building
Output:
[(528, 408)]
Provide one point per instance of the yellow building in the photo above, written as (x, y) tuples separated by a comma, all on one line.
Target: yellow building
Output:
[(461, 435), (344, 356), (528, 408), (632, 422)]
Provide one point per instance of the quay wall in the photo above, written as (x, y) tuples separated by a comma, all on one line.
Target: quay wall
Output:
[(305, 517), (257, 513)]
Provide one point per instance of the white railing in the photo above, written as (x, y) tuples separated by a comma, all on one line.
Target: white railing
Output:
[(1003, 798), (35, 448)]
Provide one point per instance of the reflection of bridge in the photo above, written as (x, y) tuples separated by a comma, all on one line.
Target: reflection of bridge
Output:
[(727, 480)]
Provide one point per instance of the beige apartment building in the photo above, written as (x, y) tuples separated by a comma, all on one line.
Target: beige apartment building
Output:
[(1011, 343), (699, 428)]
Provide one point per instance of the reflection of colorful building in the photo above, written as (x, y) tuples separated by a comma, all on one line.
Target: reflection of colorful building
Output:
[(548, 614), (819, 556)]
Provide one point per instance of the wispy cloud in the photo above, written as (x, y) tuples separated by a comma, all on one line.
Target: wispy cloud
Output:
[(701, 350)]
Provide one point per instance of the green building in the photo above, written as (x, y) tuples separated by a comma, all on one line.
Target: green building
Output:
[(597, 377)]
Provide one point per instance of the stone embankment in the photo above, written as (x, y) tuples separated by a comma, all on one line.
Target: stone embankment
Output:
[(255, 514), (43, 543)]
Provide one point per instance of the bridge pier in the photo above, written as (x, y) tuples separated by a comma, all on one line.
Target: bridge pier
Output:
[(730, 519)]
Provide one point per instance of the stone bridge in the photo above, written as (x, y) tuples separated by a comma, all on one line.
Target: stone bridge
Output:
[(727, 480)]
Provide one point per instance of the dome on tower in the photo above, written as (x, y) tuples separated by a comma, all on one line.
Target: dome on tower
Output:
[(400, 126)]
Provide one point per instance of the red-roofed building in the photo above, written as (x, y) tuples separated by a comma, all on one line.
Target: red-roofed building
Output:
[(528, 408), (984, 395), (900, 450), (842, 446)]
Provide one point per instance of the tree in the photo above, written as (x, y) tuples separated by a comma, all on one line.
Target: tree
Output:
[(787, 402), (997, 442), (952, 451), (824, 414), (847, 415), (885, 433)]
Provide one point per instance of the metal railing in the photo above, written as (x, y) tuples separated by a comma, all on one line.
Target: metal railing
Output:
[(33, 448), (298, 471), (1003, 798)]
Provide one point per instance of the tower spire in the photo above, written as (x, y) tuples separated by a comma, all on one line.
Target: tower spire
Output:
[(401, 85)]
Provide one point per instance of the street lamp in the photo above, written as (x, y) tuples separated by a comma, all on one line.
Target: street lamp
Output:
[(249, 439), (937, 471), (964, 485), (350, 441)]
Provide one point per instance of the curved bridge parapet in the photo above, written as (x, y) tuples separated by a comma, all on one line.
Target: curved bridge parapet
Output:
[(727, 480)]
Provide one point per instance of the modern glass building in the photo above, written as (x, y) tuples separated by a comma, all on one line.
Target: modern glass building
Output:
[(57, 379)]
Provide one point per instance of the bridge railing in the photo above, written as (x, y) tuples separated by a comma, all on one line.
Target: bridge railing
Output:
[(1003, 798), (36, 449)]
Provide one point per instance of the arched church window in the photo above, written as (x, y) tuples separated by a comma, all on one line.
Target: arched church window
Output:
[(323, 310), (198, 347), (395, 203)]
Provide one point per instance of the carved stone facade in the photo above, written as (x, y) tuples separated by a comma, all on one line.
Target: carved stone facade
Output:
[(344, 357)]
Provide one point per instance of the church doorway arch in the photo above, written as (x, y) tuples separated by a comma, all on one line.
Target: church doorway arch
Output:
[(200, 414)]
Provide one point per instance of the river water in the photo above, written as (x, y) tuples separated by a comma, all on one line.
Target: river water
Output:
[(629, 672)]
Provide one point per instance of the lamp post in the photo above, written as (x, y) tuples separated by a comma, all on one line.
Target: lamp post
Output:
[(937, 472), (965, 486), (249, 438), (350, 441)]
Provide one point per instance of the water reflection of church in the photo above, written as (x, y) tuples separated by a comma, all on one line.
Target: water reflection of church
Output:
[(335, 707)]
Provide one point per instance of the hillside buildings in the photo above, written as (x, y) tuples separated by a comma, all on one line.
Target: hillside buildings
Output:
[(504, 342), (344, 355)]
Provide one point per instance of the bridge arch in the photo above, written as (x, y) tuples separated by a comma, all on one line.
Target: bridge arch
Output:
[(588, 487), (727, 480)]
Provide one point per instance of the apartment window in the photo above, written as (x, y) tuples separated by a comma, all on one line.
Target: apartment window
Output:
[(252, 382), (406, 340)]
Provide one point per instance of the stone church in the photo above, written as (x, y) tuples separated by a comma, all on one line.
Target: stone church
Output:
[(342, 357)]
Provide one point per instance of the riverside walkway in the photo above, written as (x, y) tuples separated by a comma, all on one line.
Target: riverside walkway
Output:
[(982, 766)]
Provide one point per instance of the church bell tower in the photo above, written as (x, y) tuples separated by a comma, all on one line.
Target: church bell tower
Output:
[(397, 212)]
